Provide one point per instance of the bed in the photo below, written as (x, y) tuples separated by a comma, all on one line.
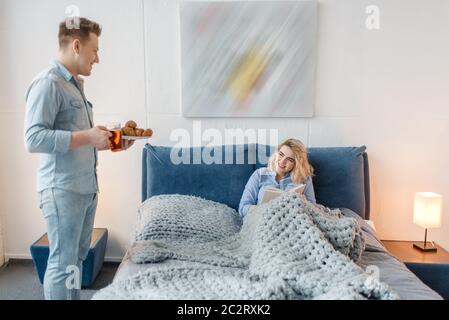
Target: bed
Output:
[(341, 181)]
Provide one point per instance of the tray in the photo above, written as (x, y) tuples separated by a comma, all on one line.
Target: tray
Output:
[(134, 137)]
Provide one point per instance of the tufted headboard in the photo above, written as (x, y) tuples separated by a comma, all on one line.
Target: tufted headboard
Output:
[(220, 173)]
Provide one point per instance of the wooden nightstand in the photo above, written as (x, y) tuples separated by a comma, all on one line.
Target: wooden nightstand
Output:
[(431, 267)]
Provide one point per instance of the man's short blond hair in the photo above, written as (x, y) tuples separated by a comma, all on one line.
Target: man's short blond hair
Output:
[(81, 31)]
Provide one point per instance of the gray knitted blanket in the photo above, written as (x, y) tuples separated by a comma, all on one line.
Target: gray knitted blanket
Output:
[(288, 248)]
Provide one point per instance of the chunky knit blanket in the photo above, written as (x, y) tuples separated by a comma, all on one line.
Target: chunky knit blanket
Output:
[(287, 248)]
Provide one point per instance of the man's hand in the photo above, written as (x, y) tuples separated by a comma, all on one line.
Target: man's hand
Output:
[(99, 137), (127, 144), (105, 148)]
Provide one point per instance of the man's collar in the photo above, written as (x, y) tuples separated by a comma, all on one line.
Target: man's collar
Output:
[(62, 70)]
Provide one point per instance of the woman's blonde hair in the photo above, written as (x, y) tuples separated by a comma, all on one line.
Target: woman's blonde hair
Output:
[(302, 168)]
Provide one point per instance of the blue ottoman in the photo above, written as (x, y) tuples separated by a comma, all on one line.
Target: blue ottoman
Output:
[(91, 266)]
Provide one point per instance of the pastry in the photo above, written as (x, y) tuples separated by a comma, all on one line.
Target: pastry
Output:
[(147, 133), (131, 124)]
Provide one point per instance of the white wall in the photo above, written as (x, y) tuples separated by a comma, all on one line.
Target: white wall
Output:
[(386, 89), (2, 249)]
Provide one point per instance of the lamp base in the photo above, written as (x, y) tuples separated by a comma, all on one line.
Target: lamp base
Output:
[(427, 247)]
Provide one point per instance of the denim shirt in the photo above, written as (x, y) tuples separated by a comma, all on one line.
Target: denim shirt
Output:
[(56, 106), (263, 178)]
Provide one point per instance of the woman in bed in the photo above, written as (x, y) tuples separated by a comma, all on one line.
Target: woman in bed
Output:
[(288, 167)]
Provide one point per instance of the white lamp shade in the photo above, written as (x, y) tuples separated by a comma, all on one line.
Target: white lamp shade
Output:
[(427, 209)]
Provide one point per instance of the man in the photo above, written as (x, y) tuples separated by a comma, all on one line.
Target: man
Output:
[(59, 125)]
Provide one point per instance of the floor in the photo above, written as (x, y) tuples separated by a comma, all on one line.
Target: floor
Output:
[(19, 281)]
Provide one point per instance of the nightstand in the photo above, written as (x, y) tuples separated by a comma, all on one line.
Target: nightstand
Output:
[(431, 267), (91, 266)]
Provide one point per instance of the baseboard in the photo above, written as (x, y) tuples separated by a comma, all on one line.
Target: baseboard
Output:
[(113, 259), (20, 256)]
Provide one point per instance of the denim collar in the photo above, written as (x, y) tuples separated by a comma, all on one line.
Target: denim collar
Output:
[(62, 70)]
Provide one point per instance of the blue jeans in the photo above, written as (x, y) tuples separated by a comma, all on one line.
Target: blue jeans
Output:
[(69, 218)]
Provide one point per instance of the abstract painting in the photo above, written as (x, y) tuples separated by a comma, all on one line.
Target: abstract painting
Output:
[(248, 58)]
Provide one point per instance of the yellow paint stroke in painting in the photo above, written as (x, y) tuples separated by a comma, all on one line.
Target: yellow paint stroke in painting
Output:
[(244, 77)]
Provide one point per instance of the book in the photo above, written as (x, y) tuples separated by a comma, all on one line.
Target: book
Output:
[(272, 192)]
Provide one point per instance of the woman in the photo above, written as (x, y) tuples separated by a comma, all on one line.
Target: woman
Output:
[(287, 168)]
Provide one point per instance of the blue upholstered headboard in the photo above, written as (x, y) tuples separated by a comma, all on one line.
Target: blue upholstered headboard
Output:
[(220, 173)]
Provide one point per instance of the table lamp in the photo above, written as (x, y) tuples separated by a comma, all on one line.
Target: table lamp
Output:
[(427, 214)]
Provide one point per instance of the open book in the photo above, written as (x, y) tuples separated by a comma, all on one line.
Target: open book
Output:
[(272, 192)]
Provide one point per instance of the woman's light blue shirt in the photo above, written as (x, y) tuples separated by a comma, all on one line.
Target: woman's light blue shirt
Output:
[(263, 178)]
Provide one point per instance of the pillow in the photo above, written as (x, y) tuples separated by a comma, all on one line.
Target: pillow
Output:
[(223, 182), (339, 180)]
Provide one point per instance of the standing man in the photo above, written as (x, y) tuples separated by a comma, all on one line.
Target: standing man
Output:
[(59, 125)]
